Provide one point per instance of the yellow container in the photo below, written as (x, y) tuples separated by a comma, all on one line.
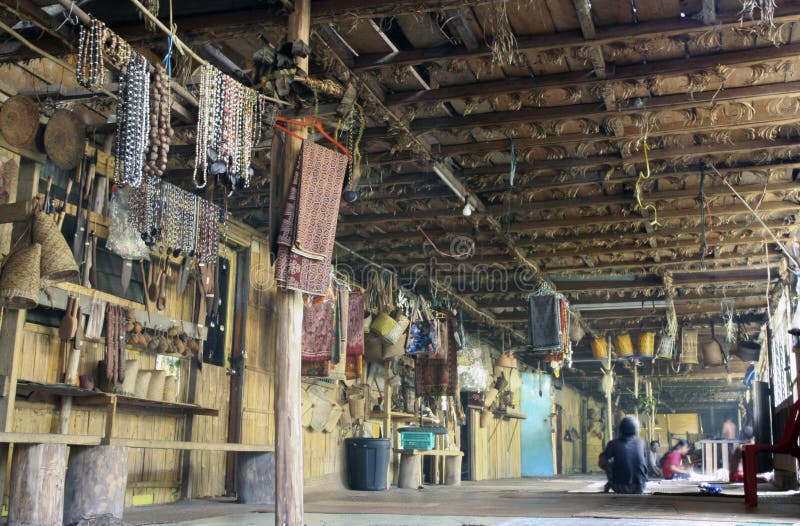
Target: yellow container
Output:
[(624, 345), (599, 348), (647, 343)]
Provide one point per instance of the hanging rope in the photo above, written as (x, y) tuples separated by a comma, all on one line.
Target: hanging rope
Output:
[(702, 198), (642, 177)]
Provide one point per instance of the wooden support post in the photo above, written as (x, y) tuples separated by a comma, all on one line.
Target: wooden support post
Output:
[(289, 315), (71, 378), (636, 390), (111, 416), (387, 422), (12, 330), (37, 485), (609, 409)]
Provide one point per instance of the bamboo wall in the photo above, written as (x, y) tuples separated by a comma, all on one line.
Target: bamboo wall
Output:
[(153, 472), (495, 449)]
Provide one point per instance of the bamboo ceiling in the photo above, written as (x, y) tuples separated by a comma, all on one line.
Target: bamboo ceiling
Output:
[(578, 86)]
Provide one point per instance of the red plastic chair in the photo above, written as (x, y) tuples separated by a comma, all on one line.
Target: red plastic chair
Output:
[(788, 444)]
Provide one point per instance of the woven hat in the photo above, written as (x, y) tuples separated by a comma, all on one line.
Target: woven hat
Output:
[(19, 280), (64, 140), (19, 120), (58, 263)]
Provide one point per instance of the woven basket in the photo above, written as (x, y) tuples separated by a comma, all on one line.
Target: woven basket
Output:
[(647, 343), (155, 389), (170, 389), (712, 353), (666, 347), (20, 280), (19, 121), (599, 348), (624, 345), (373, 348), (64, 140), (131, 372), (383, 325), (576, 332), (689, 347), (142, 383), (395, 349), (58, 263)]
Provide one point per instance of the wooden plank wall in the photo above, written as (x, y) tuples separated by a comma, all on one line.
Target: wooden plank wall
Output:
[(151, 472), (496, 450), (570, 400)]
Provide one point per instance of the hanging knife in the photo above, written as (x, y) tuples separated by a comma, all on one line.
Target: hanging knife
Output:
[(183, 277), (48, 203), (125, 275), (77, 241)]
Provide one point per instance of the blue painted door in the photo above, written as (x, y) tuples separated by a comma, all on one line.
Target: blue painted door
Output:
[(537, 442)]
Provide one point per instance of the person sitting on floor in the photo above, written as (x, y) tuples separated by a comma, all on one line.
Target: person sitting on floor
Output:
[(624, 460), (672, 464), (653, 468), (737, 465)]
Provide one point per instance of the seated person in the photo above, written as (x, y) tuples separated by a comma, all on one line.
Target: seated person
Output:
[(737, 464), (624, 460), (672, 464), (653, 468)]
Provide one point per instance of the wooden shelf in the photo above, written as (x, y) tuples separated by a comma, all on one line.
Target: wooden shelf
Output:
[(397, 415), (431, 452), (87, 397)]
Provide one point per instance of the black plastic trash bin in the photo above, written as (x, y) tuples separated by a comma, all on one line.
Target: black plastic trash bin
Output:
[(367, 463)]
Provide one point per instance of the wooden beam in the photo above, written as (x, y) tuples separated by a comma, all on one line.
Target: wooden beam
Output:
[(709, 12), (520, 300), (660, 102), (12, 328), (662, 68), (712, 262), (567, 204), (593, 163), (567, 40)]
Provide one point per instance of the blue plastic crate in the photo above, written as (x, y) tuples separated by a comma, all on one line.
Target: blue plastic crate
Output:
[(421, 440)]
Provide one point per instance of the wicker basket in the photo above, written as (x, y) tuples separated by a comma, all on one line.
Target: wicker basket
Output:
[(19, 121), (58, 264), (666, 347), (383, 325), (599, 348), (647, 343), (20, 280), (624, 345), (689, 347), (170, 389)]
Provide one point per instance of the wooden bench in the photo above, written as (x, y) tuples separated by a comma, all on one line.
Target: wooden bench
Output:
[(94, 440), (410, 473)]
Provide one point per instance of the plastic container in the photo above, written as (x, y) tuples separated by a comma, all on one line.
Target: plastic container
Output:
[(420, 440), (367, 463)]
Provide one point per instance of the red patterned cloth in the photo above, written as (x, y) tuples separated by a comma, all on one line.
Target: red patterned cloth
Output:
[(319, 331), (308, 226), (355, 325), (355, 367), (436, 376)]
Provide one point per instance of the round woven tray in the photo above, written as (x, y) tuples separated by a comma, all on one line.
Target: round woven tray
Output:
[(64, 140), (19, 120)]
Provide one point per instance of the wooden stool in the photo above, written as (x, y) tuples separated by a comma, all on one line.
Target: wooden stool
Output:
[(410, 473), (96, 481)]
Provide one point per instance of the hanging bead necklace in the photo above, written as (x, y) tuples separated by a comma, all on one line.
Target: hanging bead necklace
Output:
[(133, 121), (161, 131), (90, 71)]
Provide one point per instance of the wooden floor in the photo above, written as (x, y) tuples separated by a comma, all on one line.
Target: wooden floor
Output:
[(497, 502)]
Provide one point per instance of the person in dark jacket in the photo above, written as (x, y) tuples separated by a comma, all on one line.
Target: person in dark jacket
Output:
[(625, 460)]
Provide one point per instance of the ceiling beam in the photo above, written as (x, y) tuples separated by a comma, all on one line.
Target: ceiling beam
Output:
[(569, 204), (662, 68), (709, 12), (653, 103), (571, 39)]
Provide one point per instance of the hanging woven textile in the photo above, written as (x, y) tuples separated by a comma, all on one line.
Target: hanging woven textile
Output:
[(319, 331), (546, 318), (436, 376), (308, 227)]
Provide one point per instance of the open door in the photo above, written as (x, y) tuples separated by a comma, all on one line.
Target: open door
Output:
[(537, 440)]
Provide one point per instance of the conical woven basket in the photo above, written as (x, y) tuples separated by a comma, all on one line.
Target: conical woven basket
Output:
[(58, 264), (19, 280)]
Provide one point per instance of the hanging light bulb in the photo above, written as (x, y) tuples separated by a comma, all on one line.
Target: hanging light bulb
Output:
[(467, 211)]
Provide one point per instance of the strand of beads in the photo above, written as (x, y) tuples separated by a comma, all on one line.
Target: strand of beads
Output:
[(90, 70), (133, 121), (161, 131), (208, 244)]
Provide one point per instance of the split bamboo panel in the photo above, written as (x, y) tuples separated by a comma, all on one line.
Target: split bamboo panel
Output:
[(495, 450), (258, 407), (208, 467)]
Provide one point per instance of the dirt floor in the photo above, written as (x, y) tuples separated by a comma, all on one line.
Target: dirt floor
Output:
[(517, 502)]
